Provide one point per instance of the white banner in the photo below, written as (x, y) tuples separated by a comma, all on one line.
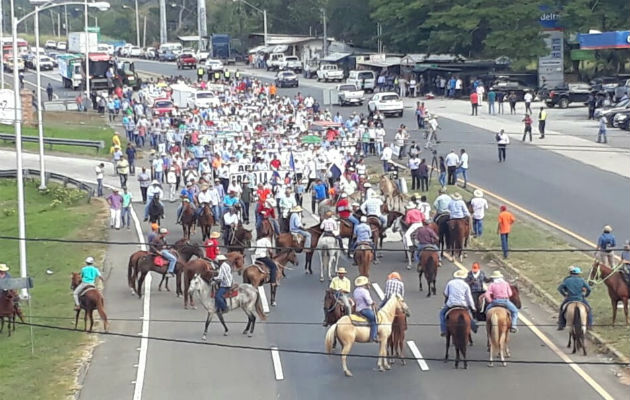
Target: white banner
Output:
[(7, 107), (256, 177)]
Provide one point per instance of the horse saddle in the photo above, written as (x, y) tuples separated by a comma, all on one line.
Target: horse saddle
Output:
[(233, 292), (360, 320), (455, 308), (87, 289), (364, 246), (373, 219), (159, 261), (347, 223)]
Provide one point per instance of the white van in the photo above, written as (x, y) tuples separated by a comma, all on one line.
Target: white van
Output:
[(364, 80), (275, 61), (175, 48)]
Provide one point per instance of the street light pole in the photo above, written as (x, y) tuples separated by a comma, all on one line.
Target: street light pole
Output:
[(87, 51), (137, 26), (1, 45), (40, 119), (325, 44), (163, 34), (265, 25)]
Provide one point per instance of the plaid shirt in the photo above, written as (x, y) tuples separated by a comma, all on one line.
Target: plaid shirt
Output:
[(393, 286)]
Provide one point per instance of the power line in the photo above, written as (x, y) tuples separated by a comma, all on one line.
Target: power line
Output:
[(313, 352)]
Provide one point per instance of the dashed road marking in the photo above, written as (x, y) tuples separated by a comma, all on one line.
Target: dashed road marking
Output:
[(378, 290), (277, 365), (263, 298), (416, 353)]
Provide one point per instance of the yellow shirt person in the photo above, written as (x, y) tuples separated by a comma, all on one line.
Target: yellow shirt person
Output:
[(340, 282)]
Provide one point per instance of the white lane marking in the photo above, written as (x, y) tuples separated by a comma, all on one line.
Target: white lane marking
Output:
[(378, 290), (263, 298), (416, 353), (277, 365)]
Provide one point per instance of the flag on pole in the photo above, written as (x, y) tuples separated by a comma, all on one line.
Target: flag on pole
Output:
[(292, 162)]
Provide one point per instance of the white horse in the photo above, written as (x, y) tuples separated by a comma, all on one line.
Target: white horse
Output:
[(247, 299), (328, 255), (398, 226)]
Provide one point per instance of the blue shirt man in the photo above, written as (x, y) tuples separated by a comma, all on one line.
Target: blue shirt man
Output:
[(457, 207), (574, 288), (89, 274), (321, 190), (295, 226)]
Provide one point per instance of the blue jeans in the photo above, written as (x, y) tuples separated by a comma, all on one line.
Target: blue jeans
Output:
[(464, 172), (509, 305), (444, 310), (354, 220), (477, 227), (172, 260), (245, 207), (158, 175), (219, 300), (385, 166), (504, 244), (421, 247), (306, 235), (99, 187), (442, 178), (491, 107), (216, 210), (126, 216), (369, 314)]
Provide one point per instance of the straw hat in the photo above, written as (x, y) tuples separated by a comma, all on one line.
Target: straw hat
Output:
[(478, 193), (221, 257), (608, 228), (457, 196), (296, 209), (215, 235), (341, 270), (459, 274), (361, 281), (3, 268), (204, 187), (496, 275), (442, 189)]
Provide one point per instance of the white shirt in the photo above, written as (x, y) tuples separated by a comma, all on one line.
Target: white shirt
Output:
[(479, 206), (414, 163), (262, 247), (463, 161), (458, 293), (528, 97), (426, 210), (152, 190), (451, 160), (99, 172), (387, 154), (230, 219), (204, 197), (372, 206)]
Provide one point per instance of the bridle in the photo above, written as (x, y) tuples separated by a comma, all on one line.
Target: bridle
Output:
[(597, 279)]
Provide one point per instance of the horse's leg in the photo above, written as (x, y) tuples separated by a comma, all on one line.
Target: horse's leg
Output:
[(382, 356), (205, 331), (323, 260), (625, 310), (76, 319), (143, 275), (178, 282), (456, 357), (344, 356), (91, 315), (273, 295), (162, 281), (463, 354), (420, 280), (614, 309), (434, 280), (448, 343), (85, 316), (220, 315)]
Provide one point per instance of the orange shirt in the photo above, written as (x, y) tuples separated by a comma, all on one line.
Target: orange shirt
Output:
[(506, 219)]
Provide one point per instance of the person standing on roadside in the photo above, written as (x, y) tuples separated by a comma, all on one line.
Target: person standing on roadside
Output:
[(115, 207), (591, 102), (528, 127), (144, 179), (601, 133), (452, 161), (442, 178), (99, 179), (502, 141), (131, 158), (49, 92), (527, 97), (506, 219), (542, 120), (126, 209), (479, 207), (512, 101), (500, 100), (122, 168), (414, 165), (462, 168), (474, 102), (492, 96)]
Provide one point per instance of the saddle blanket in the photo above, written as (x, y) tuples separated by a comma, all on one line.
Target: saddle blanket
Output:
[(87, 289), (160, 261), (455, 308), (360, 320), (233, 292)]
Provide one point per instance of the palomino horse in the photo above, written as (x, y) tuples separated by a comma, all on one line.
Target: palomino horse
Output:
[(197, 266), (576, 314), (328, 255), (396, 341), (429, 263), (156, 211), (246, 298), (9, 309), (498, 324), (205, 221), (458, 232), (347, 333), (390, 191), (458, 327), (188, 220), (89, 300), (240, 239), (617, 287), (259, 274), (364, 256), (146, 264)]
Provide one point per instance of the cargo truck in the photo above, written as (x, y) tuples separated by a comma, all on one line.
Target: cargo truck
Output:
[(77, 42), (70, 70), (100, 63), (220, 46)]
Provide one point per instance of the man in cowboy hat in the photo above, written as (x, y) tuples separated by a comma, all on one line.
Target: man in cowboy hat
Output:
[(372, 207), (498, 294), (605, 245), (414, 219), (89, 274), (457, 294), (574, 288), (203, 197), (330, 227), (457, 208), (393, 286), (159, 246), (211, 245), (441, 204), (625, 262), (115, 201), (479, 206), (341, 287), (224, 279), (4, 272), (153, 190), (365, 305), (295, 226), (285, 204)]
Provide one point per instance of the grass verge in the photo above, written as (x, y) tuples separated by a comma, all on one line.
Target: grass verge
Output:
[(49, 372), (70, 125)]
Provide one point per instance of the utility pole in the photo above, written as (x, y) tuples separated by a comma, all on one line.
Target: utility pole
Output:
[(1, 44), (325, 48), (163, 35), (65, 16), (202, 26), (379, 41), (137, 26)]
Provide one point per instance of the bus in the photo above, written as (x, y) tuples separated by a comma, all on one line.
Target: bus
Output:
[(7, 47)]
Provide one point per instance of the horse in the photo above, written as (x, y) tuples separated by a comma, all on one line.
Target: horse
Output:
[(429, 264), (259, 274), (390, 191), (205, 220), (156, 210), (333, 308), (288, 240), (576, 315), (326, 205), (498, 324), (328, 255), (440, 227), (247, 299), (240, 239), (188, 249), (396, 341), (197, 266), (364, 255), (188, 220), (315, 232), (9, 309), (132, 269), (458, 326), (617, 288), (265, 229), (458, 232), (89, 300), (399, 226), (347, 333), (146, 264)]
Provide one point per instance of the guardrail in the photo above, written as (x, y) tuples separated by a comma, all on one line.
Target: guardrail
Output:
[(96, 144), (66, 180)]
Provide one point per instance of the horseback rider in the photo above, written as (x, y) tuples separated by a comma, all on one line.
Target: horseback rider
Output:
[(457, 207), (154, 232), (295, 226), (625, 262), (372, 207), (363, 234), (330, 227), (212, 246), (426, 238), (264, 254), (268, 212), (159, 246), (344, 211), (414, 219), (230, 201), (364, 304), (441, 204), (230, 222), (153, 190), (605, 245), (498, 294), (574, 288), (286, 203), (457, 294), (89, 274), (477, 280), (369, 192), (341, 285), (393, 286), (224, 280), (187, 194), (203, 197)]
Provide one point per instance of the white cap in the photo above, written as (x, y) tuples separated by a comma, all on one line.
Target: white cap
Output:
[(89, 260)]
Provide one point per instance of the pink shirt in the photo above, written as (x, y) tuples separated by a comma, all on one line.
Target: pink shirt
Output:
[(414, 215), (498, 289)]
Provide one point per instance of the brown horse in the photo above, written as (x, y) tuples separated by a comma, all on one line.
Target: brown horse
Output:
[(9, 309), (498, 324), (287, 240), (617, 288), (188, 220), (146, 264), (364, 256), (458, 327), (333, 308), (576, 315), (205, 221), (390, 191), (132, 269), (458, 232), (440, 227), (315, 232), (396, 341), (240, 239), (429, 263), (266, 230), (188, 249), (258, 274), (91, 299), (200, 265)]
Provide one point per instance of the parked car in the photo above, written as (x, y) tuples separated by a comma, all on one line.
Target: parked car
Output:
[(388, 103), (150, 53), (135, 51), (167, 56), (28, 59), (186, 60), (349, 94), (364, 80), (163, 107), (105, 48), (507, 85), (50, 44), (329, 72), (292, 63), (214, 65), (8, 64), (203, 99), (62, 46), (562, 96), (287, 79), (124, 50), (622, 120), (275, 61), (611, 112), (45, 63)]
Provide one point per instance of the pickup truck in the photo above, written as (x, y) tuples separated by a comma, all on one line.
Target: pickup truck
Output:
[(186, 60), (562, 96), (329, 72), (292, 63), (349, 94)]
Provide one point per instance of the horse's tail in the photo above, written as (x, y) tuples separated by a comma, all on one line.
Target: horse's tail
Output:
[(430, 269), (130, 269), (577, 324), (100, 307), (259, 308), (494, 329), (330, 338), (461, 333), (246, 277)]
